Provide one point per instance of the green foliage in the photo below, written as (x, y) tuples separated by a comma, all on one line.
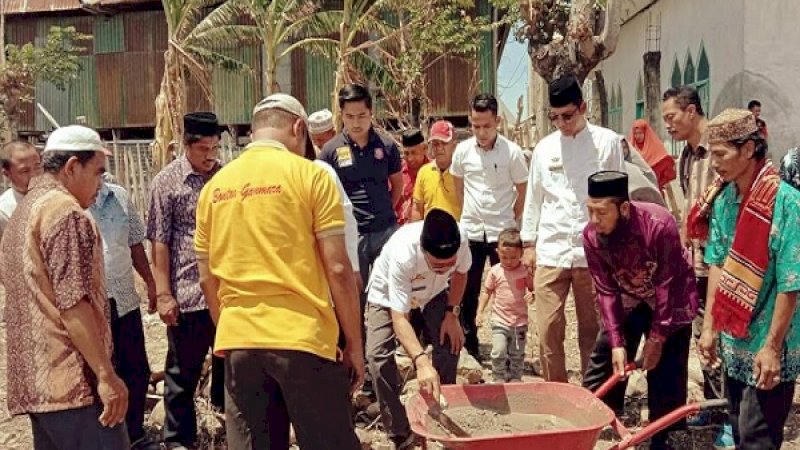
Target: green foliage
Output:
[(56, 61)]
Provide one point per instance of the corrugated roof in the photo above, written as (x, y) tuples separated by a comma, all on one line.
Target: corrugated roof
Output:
[(42, 6)]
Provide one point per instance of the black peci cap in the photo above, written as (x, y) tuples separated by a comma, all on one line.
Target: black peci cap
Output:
[(440, 235), (608, 183)]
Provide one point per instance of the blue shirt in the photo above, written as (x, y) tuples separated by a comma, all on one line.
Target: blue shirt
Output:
[(121, 228), (364, 173), (783, 275)]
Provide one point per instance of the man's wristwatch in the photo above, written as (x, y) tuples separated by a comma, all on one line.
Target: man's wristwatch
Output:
[(456, 310)]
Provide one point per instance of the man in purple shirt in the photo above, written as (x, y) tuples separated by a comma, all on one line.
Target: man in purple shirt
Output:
[(645, 287), (180, 301)]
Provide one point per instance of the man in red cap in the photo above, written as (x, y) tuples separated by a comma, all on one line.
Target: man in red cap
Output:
[(435, 187)]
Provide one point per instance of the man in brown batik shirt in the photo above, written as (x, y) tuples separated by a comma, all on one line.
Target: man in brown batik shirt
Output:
[(59, 340)]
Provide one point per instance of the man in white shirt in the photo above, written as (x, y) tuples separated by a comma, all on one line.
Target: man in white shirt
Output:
[(350, 224), (123, 251), (20, 162), (554, 218), (490, 175), (413, 271)]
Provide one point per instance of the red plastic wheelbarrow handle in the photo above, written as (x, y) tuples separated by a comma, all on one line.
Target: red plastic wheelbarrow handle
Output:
[(629, 439), (614, 379)]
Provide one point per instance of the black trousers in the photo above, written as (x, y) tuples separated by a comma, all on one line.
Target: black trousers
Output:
[(666, 383), (130, 363), (469, 305), (76, 429), (268, 389), (188, 344), (713, 379), (758, 416), (381, 348)]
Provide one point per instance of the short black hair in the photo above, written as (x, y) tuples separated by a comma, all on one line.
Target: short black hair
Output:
[(759, 142), (485, 102), (753, 104), (685, 96), (54, 161), (10, 147), (355, 93)]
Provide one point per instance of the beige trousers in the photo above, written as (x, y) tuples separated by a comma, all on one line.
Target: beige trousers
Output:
[(552, 285)]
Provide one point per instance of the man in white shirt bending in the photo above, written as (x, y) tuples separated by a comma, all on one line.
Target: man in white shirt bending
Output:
[(423, 265), (553, 221), (489, 174)]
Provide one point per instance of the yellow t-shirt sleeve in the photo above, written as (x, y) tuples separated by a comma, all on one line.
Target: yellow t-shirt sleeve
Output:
[(203, 224), (327, 204)]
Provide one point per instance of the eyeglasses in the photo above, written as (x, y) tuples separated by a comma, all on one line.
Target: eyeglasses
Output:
[(566, 117), (438, 267)]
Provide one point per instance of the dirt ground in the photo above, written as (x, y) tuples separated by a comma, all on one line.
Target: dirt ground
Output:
[(15, 432)]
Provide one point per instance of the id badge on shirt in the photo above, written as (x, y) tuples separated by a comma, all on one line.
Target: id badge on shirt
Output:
[(344, 157)]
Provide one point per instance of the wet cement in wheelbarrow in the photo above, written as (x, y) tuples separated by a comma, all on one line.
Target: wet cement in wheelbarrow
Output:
[(486, 422)]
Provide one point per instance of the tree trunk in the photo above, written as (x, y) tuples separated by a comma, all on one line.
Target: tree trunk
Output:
[(580, 51), (270, 82), (652, 90), (170, 108), (602, 95), (341, 70)]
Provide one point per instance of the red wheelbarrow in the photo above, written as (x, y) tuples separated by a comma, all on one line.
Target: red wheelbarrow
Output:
[(579, 407)]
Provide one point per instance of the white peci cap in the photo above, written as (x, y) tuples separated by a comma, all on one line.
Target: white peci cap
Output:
[(283, 102), (75, 138), (320, 121)]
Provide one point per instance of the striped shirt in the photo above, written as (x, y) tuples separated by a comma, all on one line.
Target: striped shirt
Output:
[(696, 175)]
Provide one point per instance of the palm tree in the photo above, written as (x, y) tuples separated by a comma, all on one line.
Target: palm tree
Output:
[(196, 42), (356, 19), (283, 22)]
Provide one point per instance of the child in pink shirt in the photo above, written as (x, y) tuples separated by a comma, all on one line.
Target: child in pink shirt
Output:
[(505, 288)]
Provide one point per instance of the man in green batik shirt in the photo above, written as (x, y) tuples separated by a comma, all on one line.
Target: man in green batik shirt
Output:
[(761, 356)]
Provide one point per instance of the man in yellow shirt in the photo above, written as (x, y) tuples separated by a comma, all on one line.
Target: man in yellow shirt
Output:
[(435, 188), (273, 264)]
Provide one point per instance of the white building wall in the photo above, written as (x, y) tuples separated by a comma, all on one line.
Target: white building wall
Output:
[(772, 69), (753, 53), (684, 26)]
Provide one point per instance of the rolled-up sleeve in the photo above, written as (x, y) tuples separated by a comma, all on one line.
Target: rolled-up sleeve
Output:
[(609, 302)]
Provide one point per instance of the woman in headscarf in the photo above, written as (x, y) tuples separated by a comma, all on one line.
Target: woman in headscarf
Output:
[(641, 179), (647, 143), (790, 167)]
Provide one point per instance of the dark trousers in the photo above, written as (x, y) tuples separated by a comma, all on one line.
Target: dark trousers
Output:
[(370, 245), (130, 363), (713, 379), (188, 344), (268, 389), (469, 305), (76, 429), (381, 347), (758, 416), (666, 383)]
